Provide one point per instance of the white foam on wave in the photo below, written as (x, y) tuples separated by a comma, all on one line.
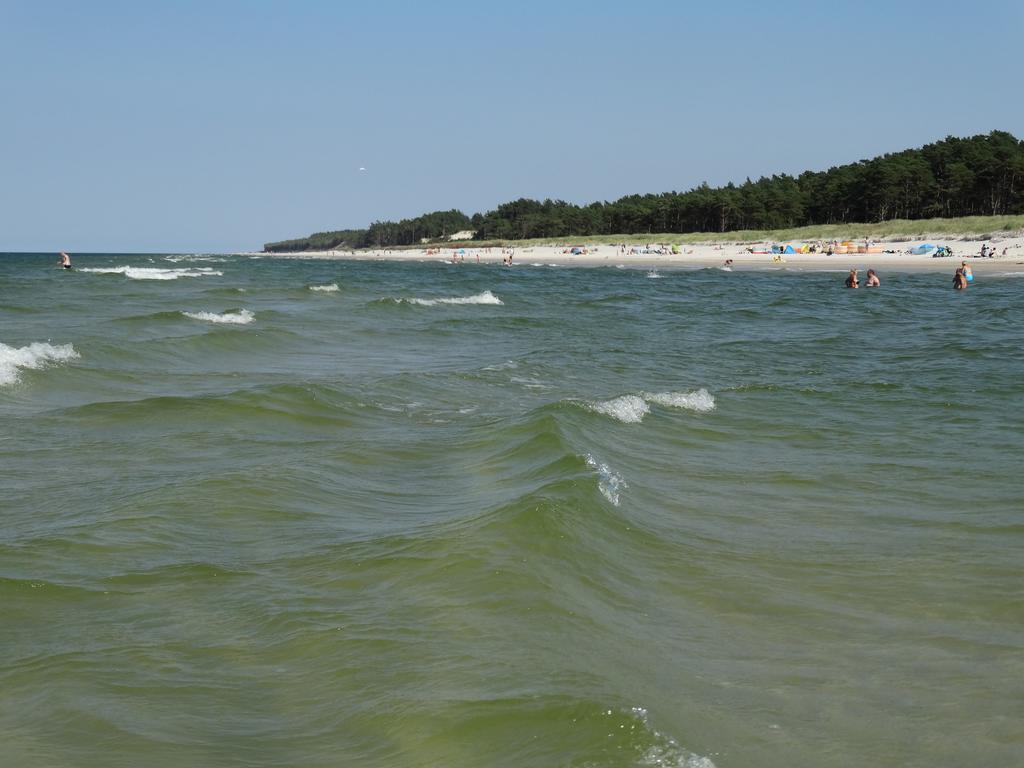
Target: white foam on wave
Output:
[(653, 274), (325, 288), (666, 752), (153, 273), (701, 401), (629, 409), (193, 257), (508, 364), (481, 298), (609, 482), (34, 356), (243, 317)]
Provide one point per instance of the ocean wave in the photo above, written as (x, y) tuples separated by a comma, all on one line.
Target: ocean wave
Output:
[(193, 257), (153, 273), (653, 274), (242, 317), (663, 751), (629, 409), (34, 356), (609, 482), (486, 297), (325, 288), (701, 400)]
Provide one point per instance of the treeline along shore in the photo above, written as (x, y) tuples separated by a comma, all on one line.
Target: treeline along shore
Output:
[(956, 177)]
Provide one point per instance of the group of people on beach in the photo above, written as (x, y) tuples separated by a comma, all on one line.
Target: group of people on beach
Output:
[(964, 275)]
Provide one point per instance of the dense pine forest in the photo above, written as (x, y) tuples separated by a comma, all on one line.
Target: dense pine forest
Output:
[(976, 176)]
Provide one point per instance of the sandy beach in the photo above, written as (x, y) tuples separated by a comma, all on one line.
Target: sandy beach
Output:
[(882, 256)]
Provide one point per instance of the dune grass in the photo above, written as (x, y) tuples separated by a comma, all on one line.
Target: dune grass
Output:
[(965, 228)]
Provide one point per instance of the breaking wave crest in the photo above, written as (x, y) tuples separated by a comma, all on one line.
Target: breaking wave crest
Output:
[(33, 356), (193, 257), (701, 401), (609, 482), (333, 287), (486, 297), (154, 273), (243, 317), (631, 409)]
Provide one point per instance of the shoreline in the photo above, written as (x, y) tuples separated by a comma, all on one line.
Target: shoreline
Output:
[(698, 257)]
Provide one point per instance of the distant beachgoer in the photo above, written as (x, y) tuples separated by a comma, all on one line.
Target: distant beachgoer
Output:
[(727, 263), (984, 250), (65, 260), (851, 279), (968, 273), (959, 281), (873, 281)]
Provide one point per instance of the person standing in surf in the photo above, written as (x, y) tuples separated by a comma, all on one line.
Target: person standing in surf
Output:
[(65, 260), (959, 281), (851, 279)]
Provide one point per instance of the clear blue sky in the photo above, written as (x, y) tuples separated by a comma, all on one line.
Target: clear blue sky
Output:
[(207, 126)]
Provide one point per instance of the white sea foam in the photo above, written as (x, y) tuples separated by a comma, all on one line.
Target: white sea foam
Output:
[(726, 269), (325, 288), (629, 409), (609, 482), (508, 364), (654, 275), (193, 257), (153, 273), (666, 751), (701, 401), (481, 298), (34, 356), (243, 317), (529, 382)]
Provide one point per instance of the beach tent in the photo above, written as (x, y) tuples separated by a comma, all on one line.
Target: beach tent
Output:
[(789, 249), (917, 250)]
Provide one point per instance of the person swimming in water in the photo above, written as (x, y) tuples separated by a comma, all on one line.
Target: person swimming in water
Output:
[(959, 280), (851, 279), (968, 274), (65, 260), (873, 281)]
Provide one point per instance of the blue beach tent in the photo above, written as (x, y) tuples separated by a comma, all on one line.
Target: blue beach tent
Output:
[(917, 250)]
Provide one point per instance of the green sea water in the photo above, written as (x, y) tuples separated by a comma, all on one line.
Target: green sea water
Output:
[(268, 512)]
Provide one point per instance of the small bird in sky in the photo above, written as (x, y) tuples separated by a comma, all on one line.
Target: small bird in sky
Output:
[(361, 169)]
